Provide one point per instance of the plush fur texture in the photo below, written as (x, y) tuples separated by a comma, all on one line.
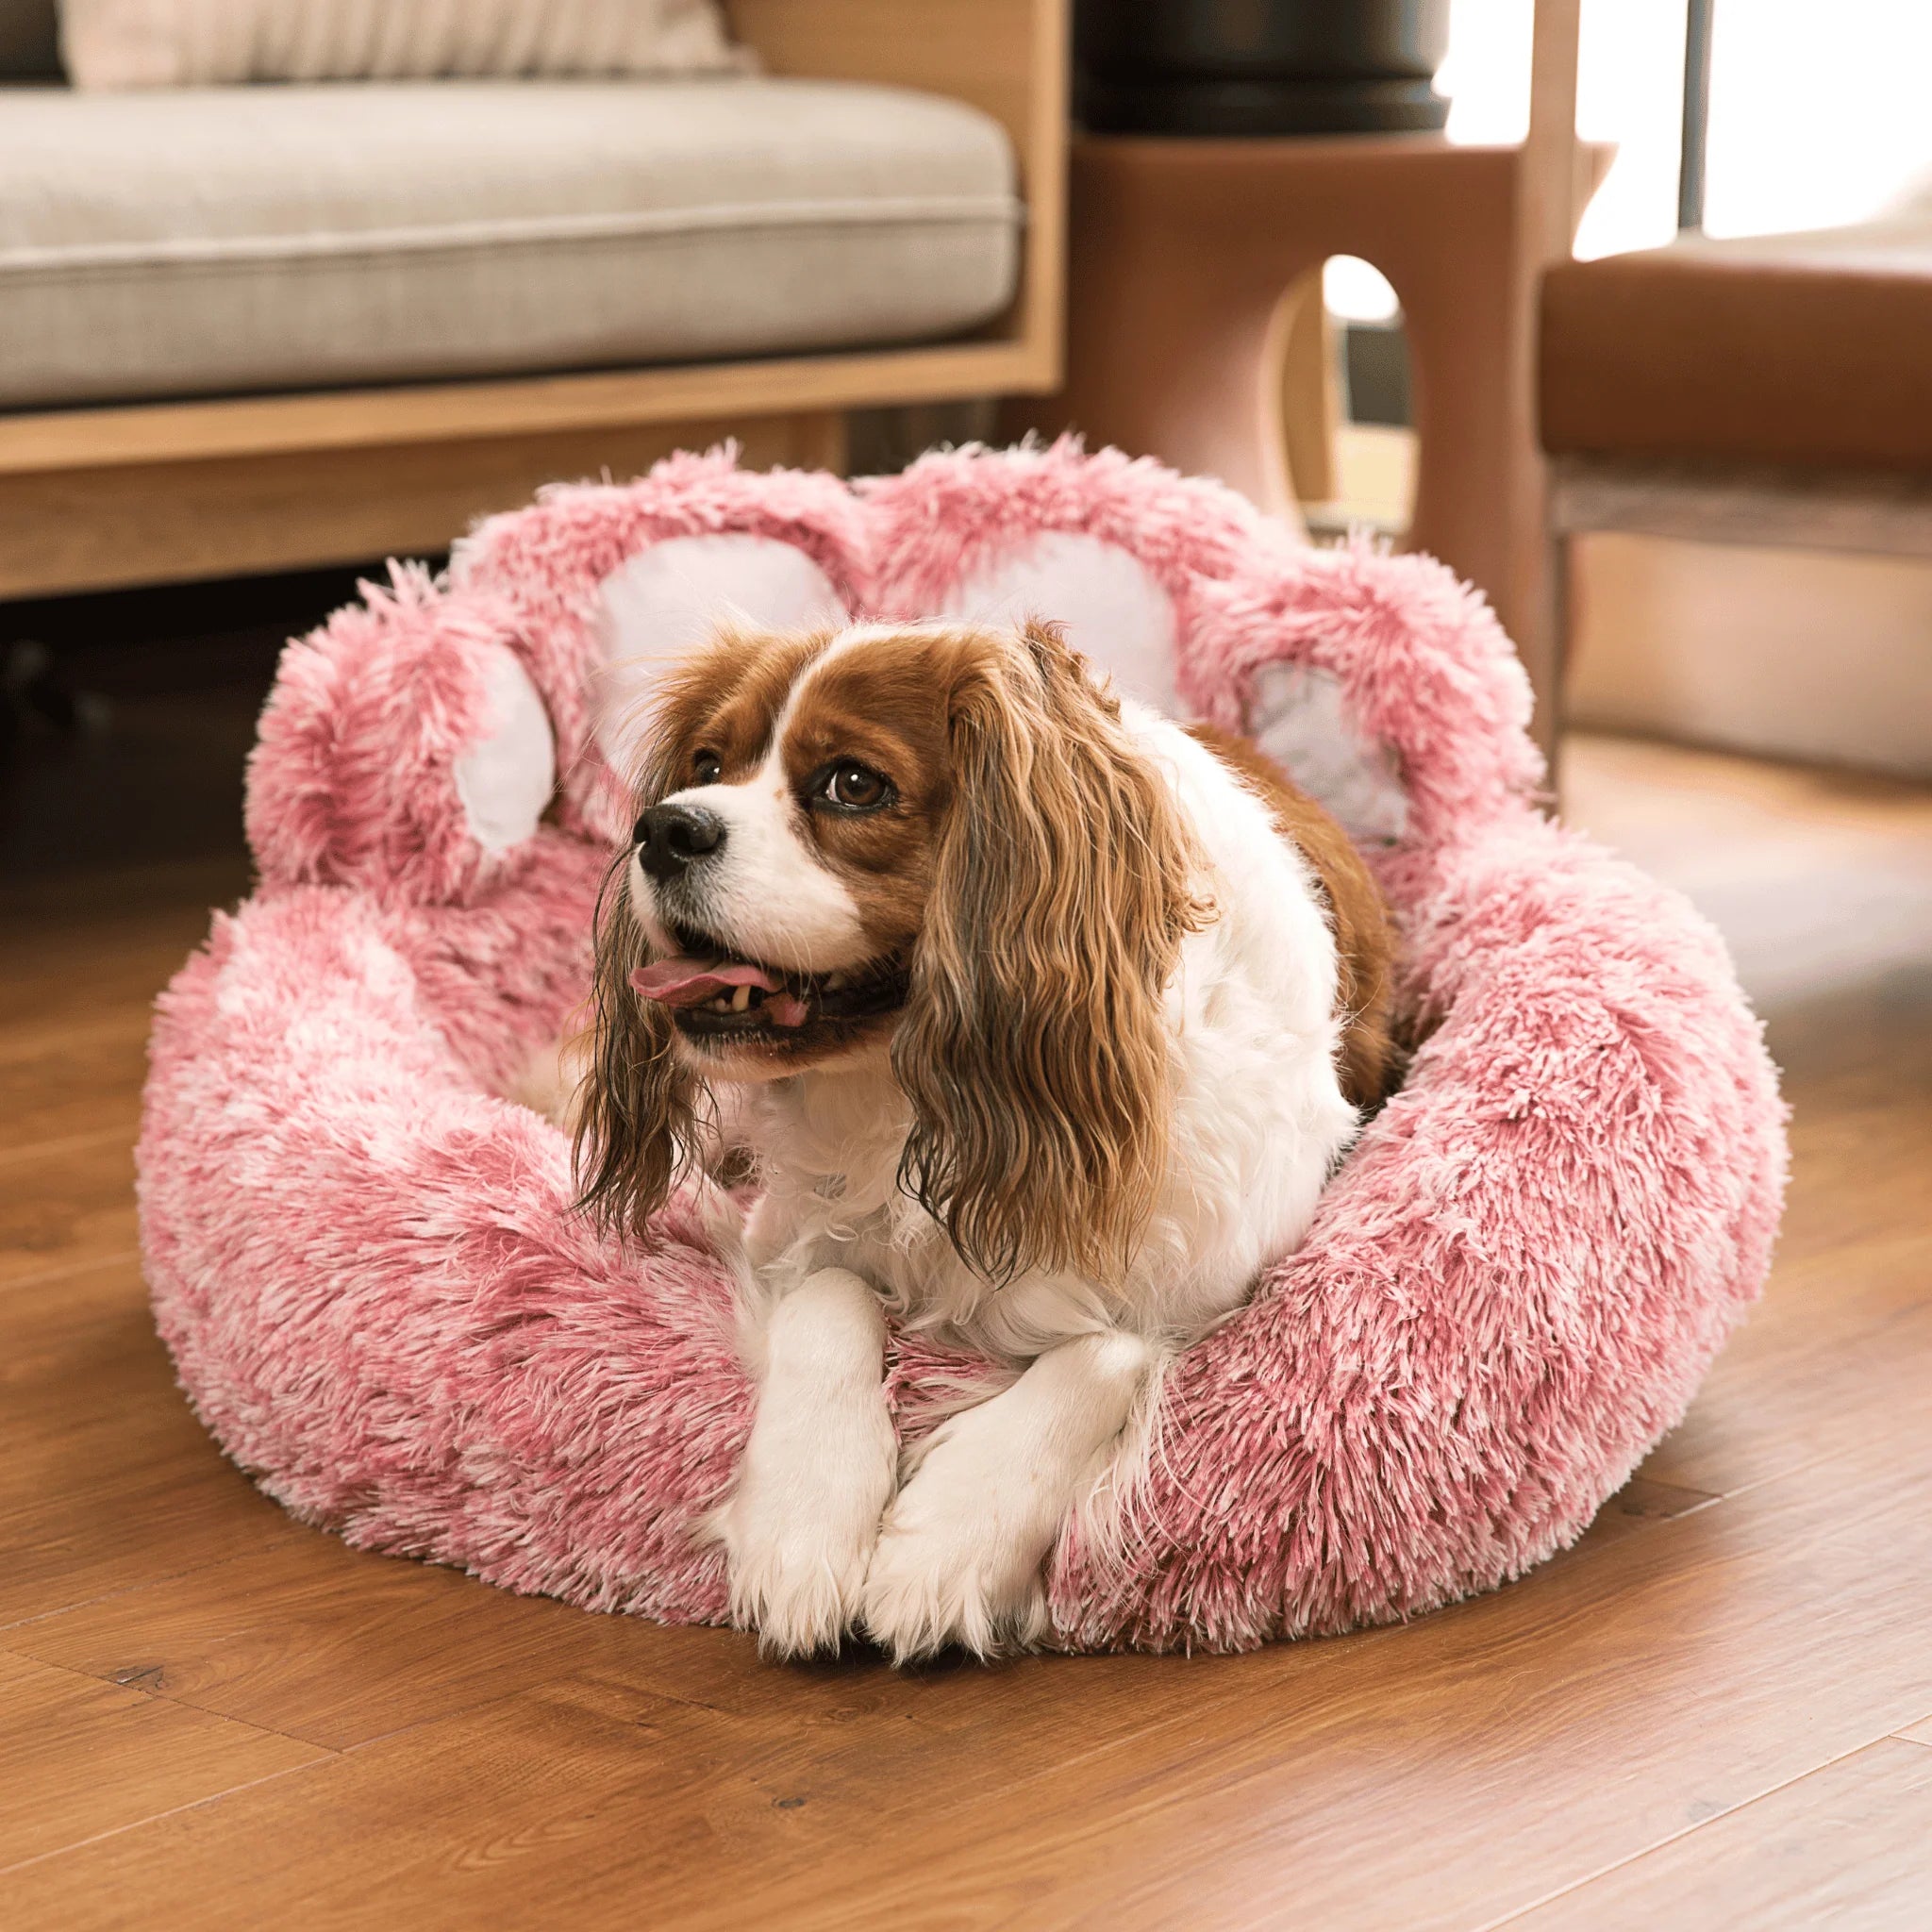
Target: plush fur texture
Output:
[(382, 1303)]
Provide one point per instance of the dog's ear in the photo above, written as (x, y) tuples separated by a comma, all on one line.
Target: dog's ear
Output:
[(635, 1127), (1034, 1048), (639, 1125)]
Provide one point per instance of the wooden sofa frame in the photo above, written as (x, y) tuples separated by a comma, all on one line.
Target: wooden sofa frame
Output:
[(167, 492)]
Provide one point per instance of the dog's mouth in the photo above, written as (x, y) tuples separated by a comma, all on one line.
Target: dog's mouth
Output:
[(711, 993)]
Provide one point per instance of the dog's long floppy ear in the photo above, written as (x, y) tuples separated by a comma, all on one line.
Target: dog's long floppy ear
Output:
[(636, 1125), (636, 1121), (1033, 1047)]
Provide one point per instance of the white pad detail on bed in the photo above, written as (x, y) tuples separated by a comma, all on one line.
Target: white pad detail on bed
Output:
[(1116, 614), (671, 597), (506, 778), (1301, 718)]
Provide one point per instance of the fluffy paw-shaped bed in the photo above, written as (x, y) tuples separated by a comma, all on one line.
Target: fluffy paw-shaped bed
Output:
[(365, 1259)]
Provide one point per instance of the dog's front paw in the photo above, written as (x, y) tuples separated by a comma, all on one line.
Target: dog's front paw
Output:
[(953, 1566), (797, 1584), (798, 1536)]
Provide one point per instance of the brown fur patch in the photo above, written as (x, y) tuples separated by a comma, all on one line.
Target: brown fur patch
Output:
[(883, 702), (725, 698), (639, 1125), (1034, 1045), (636, 1125), (1364, 940)]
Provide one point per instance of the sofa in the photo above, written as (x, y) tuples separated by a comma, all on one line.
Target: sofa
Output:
[(263, 328)]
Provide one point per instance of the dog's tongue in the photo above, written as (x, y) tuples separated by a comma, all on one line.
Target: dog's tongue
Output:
[(684, 982), (687, 982)]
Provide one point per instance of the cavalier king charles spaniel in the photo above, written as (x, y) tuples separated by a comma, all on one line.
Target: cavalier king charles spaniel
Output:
[(1040, 1021)]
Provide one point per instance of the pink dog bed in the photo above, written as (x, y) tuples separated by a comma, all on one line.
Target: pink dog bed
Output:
[(366, 1262)]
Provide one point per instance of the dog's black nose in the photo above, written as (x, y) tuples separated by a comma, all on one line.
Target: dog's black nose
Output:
[(671, 836)]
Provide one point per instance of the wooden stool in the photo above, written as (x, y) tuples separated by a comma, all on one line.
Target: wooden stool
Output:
[(1187, 261)]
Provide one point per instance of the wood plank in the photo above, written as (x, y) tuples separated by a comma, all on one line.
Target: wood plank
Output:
[(1850, 1846), (73, 950), (1643, 1500), (67, 1207), (1685, 1677), (1851, 1123), (110, 1508), (65, 1084), (107, 1480), (1833, 1337), (499, 1818), (320, 1642), (1820, 881), (580, 1799), (1666, 1675), (1879, 515), (700, 397), (1684, 1670), (78, 1759), (77, 1348), (105, 524)]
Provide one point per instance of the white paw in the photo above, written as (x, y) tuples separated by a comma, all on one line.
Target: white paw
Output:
[(956, 1562), (798, 1534), (797, 1584)]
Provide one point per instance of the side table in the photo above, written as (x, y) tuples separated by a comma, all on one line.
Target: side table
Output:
[(1187, 258)]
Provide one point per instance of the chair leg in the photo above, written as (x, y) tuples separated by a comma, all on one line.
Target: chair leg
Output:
[(1549, 719)]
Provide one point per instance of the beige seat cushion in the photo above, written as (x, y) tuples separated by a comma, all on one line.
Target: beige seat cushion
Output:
[(269, 238)]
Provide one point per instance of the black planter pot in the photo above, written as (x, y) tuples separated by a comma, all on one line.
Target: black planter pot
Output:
[(1251, 67)]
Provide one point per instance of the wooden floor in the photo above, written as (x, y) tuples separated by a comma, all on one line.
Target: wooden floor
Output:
[(1715, 1711)]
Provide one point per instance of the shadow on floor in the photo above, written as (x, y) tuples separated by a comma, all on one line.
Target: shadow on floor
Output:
[(126, 718)]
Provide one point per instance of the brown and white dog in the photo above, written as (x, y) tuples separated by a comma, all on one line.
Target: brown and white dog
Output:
[(1044, 1021)]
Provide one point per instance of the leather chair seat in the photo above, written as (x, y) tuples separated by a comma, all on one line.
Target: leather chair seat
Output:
[(1812, 350)]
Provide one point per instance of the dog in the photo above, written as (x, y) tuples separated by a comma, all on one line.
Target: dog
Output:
[(1042, 1021)]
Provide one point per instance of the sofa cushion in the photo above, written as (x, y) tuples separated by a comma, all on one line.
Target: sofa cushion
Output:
[(265, 238), (1803, 349)]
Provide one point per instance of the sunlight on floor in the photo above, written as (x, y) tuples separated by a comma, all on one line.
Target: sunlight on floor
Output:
[(1374, 482), (1813, 877)]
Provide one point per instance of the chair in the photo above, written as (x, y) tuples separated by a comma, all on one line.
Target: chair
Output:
[(1772, 390), (1192, 263)]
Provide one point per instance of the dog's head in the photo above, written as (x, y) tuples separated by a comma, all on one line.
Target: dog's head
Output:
[(938, 845)]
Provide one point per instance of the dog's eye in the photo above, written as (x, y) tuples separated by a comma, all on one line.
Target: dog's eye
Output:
[(854, 787), (706, 767)]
